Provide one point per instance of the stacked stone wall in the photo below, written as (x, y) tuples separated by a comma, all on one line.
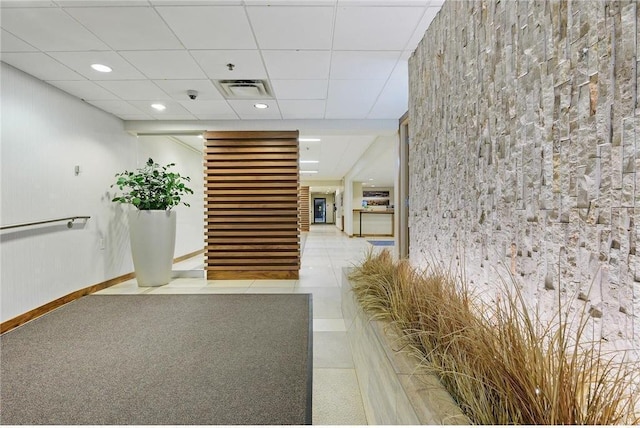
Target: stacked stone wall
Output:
[(525, 154)]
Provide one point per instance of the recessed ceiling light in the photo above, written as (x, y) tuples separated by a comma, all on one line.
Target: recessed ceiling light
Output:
[(159, 107), (371, 179), (308, 172), (308, 161), (101, 68), (261, 106), (308, 139)]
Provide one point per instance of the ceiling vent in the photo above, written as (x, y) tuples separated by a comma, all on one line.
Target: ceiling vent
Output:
[(244, 89)]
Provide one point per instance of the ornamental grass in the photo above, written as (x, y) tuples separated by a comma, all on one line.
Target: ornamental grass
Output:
[(499, 362)]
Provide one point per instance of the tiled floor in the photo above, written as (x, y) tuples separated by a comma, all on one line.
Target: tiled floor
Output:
[(325, 251)]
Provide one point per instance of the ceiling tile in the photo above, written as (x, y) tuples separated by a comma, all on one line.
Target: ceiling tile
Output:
[(102, 3), (81, 62), (313, 89), (393, 101), (40, 65), (116, 107), (292, 27), (352, 99), (26, 3), (208, 107), (246, 110), (247, 64), (10, 43), (165, 64), (83, 89), (134, 89), (429, 14), (231, 116), (174, 110), (49, 29), (210, 27), (134, 116), (302, 109), (127, 28), (171, 116), (375, 28), (363, 64), (297, 64), (196, 2), (289, 2), (177, 89), (384, 2)]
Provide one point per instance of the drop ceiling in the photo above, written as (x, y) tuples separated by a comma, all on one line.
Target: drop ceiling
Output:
[(325, 60)]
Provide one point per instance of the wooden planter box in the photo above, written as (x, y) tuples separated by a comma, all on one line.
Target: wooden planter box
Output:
[(393, 388)]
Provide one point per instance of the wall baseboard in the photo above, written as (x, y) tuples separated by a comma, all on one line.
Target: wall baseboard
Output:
[(48, 307), (188, 256)]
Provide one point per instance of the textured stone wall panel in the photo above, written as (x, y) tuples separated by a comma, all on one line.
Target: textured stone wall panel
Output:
[(525, 154)]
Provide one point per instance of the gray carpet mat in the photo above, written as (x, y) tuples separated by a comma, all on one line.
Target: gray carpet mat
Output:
[(205, 359)]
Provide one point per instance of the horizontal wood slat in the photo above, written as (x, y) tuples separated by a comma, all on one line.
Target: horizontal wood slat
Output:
[(251, 208), (276, 273), (259, 247), (242, 157), (257, 187), (238, 171), (264, 240), (263, 192), (246, 233), (221, 161), (304, 208), (250, 149), (261, 212), (252, 205), (293, 178), (290, 136), (243, 198)]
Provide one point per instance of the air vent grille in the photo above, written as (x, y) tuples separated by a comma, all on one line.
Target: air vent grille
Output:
[(244, 89)]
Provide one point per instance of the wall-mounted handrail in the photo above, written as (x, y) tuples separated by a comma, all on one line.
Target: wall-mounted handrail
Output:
[(69, 220)]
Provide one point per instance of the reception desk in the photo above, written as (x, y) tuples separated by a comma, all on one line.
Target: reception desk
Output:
[(373, 222)]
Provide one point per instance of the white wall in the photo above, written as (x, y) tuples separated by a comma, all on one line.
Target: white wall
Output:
[(190, 221), (45, 133)]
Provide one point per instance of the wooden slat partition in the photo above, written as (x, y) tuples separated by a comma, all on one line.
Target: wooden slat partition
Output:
[(251, 203), (304, 208)]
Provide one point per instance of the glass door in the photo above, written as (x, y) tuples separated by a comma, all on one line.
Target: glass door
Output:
[(319, 210)]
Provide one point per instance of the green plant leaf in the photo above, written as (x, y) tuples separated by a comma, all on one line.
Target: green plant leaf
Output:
[(152, 187)]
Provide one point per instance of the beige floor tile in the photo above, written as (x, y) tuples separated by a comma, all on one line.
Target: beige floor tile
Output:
[(230, 283), (274, 283), (224, 290), (267, 290), (331, 350), (320, 324), (336, 398)]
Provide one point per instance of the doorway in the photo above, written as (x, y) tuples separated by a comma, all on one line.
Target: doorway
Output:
[(319, 210)]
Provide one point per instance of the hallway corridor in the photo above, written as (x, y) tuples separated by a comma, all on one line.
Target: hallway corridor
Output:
[(325, 251)]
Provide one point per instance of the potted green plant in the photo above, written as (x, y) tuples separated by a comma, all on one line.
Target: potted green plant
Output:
[(154, 190)]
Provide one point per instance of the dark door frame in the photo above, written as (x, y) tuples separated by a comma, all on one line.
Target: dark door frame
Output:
[(324, 210)]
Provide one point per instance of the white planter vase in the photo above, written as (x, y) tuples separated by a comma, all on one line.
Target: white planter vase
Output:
[(153, 240)]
